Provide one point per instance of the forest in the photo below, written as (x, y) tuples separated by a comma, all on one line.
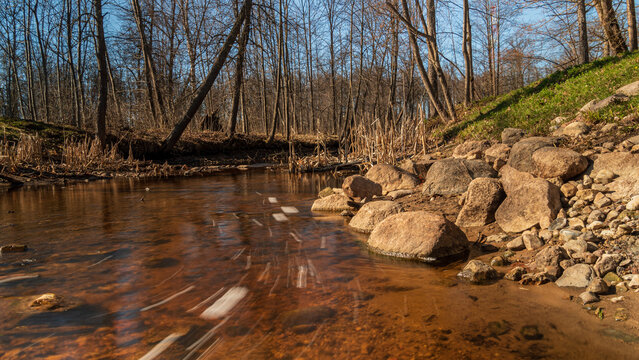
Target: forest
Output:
[(350, 69)]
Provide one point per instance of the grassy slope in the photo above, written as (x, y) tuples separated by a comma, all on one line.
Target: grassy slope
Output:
[(561, 94), (12, 129)]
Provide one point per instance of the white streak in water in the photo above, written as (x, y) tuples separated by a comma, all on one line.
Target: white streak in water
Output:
[(238, 253), (101, 261), (196, 345), (257, 222), (295, 237), (16, 278), (323, 243), (225, 304), (161, 346), (168, 299), (272, 200), (265, 273), (170, 277), (289, 210), (277, 279), (301, 276), (248, 262), (280, 217), (206, 300)]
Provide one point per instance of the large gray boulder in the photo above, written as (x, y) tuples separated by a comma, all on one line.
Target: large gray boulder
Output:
[(373, 213), (529, 201), (576, 276), (418, 235), (481, 201), (392, 178), (452, 176), (521, 153), (357, 186), (552, 162)]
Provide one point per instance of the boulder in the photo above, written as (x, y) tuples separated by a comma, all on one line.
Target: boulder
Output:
[(332, 203), (392, 178), (472, 149), (497, 151), (578, 275), (47, 301), (595, 105), (550, 256), (509, 136), (575, 129), (477, 271), (529, 201), (588, 297), (482, 200), (418, 235), (521, 153), (626, 166), (373, 213), (631, 89), (452, 176), (357, 186), (531, 240), (418, 165), (559, 162), (607, 263)]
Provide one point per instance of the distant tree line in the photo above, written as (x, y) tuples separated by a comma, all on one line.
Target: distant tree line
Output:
[(287, 66)]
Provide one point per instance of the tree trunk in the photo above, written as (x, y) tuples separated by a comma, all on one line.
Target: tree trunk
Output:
[(608, 20), (584, 56), (102, 73), (632, 24), (467, 51), (179, 128), (239, 74)]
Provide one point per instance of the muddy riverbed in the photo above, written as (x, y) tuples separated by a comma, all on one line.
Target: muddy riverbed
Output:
[(237, 267)]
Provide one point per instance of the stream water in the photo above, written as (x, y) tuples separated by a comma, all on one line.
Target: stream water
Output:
[(237, 267)]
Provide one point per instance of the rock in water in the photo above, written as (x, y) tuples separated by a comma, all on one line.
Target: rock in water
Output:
[(452, 176), (587, 297), (373, 213), (332, 203), (576, 276), (357, 186), (13, 248), (477, 271), (559, 162), (307, 316), (529, 201), (392, 178), (419, 235), (47, 301), (482, 200), (521, 153)]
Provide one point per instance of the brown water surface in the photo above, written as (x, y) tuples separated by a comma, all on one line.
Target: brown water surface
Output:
[(139, 270)]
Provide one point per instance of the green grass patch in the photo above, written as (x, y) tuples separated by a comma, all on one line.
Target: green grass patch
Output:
[(562, 93)]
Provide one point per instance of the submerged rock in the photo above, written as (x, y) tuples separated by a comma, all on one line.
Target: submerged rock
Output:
[(419, 235), (13, 248), (307, 316), (587, 297), (477, 271), (47, 301), (373, 213)]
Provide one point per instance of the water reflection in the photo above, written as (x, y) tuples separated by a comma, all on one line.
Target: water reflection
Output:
[(200, 268)]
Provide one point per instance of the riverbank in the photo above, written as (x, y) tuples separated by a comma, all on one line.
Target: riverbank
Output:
[(34, 153), (536, 210)]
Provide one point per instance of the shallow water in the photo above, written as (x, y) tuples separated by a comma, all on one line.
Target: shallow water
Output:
[(200, 268)]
